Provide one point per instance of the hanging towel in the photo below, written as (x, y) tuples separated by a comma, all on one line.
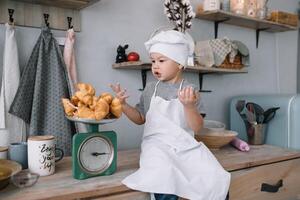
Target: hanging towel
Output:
[(12, 129), (69, 58), (43, 84)]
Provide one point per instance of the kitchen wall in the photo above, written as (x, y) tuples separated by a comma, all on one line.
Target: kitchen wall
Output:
[(108, 23)]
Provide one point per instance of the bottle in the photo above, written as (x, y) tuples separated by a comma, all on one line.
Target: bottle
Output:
[(237, 6), (226, 5)]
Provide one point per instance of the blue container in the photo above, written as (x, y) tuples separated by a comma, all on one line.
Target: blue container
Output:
[(283, 130)]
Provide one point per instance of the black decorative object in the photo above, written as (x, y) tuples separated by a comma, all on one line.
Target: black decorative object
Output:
[(70, 26), (11, 14), (46, 18), (121, 56)]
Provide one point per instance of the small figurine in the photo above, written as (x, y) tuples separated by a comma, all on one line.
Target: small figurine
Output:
[(121, 56)]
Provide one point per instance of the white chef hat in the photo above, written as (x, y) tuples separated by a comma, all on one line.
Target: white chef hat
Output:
[(173, 44)]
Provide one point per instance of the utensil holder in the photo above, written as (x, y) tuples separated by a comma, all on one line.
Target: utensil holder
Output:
[(256, 133)]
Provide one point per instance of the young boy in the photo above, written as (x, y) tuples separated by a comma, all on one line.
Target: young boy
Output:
[(172, 163)]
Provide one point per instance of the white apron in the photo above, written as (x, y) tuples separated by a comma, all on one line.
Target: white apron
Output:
[(12, 128), (172, 161)]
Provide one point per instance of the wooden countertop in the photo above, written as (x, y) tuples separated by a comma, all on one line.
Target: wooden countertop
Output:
[(61, 185)]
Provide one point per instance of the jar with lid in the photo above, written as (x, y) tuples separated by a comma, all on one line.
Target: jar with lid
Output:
[(3, 152), (238, 6), (210, 5)]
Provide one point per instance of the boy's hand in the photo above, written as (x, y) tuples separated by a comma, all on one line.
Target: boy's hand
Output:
[(120, 93), (188, 97)]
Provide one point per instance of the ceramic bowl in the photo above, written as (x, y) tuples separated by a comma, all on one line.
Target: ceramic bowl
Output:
[(24, 179), (5, 173), (212, 125), (216, 139)]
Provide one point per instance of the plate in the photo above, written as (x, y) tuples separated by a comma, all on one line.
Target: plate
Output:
[(91, 121)]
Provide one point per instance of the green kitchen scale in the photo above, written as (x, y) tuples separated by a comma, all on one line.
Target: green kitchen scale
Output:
[(94, 153)]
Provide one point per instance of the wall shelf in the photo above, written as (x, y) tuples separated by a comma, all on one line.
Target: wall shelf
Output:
[(144, 67), (220, 16), (29, 13), (69, 4)]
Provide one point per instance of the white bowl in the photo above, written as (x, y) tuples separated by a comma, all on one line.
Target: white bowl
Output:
[(213, 125)]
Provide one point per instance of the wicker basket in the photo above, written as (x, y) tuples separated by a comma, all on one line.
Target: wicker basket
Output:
[(236, 64), (284, 18)]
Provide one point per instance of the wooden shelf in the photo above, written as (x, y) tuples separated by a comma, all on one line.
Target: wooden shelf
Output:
[(244, 21), (144, 67), (69, 4), (199, 69), (132, 65)]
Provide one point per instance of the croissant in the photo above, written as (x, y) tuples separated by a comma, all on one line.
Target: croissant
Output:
[(68, 107), (93, 105), (107, 97), (86, 88), (75, 100), (101, 109), (116, 107), (85, 112), (84, 97)]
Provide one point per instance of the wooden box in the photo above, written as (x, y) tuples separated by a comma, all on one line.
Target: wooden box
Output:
[(284, 18)]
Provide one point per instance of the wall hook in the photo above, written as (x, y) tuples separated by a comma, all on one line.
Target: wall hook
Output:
[(46, 18), (70, 26), (11, 14)]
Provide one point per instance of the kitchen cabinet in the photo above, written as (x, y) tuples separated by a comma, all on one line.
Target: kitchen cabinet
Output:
[(220, 16), (144, 67), (263, 167)]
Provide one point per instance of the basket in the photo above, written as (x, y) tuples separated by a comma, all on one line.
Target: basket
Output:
[(236, 64), (284, 18)]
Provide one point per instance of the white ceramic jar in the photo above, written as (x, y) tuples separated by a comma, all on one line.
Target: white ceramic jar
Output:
[(3, 152), (41, 154)]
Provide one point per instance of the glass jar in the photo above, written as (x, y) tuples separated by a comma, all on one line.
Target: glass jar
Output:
[(210, 5), (237, 6), (251, 8)]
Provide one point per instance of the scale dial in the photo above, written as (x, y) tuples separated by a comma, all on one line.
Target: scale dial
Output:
[(95, 154)]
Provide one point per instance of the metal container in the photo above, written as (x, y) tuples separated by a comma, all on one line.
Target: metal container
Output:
[(256, 133)]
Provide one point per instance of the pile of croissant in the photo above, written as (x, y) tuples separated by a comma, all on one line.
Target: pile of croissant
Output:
[(84, 104)]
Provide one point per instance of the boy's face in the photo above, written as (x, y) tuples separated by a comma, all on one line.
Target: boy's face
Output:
[(163, 68)]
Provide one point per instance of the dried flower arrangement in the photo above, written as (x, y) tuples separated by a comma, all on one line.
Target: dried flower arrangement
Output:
[(180, 12)]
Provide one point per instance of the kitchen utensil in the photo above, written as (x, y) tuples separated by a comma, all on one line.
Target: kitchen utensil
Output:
[(240, 104), (91, 121), (250, 113), (24, 179), (270, 114), (259, 112), (256, 133), (216, 139), (95, 152)]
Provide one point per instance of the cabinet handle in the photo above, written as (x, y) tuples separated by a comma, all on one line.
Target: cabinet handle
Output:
[(271, 188)]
